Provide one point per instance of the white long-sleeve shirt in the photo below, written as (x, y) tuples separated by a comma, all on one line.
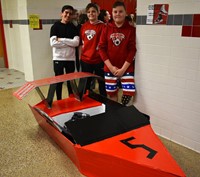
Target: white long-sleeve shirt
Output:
[(63, 40)]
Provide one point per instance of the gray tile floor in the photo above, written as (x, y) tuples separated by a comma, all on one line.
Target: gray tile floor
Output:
[(10, 78)]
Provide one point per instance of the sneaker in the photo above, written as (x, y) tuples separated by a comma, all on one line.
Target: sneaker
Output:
[(162, 10), (127, 100)]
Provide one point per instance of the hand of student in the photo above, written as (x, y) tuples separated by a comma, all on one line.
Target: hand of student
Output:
[(113, 70), (119, 73)]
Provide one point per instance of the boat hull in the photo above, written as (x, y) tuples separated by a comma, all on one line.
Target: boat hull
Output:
[(134, 153)]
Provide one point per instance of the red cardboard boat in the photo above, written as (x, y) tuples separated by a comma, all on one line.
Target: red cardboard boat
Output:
[(102, 138)]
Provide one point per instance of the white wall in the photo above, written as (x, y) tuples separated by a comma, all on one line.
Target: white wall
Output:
[(10, 10), (29, 50), (168, 75)]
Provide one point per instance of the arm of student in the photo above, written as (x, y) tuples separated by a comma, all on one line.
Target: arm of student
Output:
[(70, 42), (103, 46), (55, 43)]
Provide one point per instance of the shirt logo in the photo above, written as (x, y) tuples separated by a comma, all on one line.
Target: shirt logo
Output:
[(90, 34), (117, 38)]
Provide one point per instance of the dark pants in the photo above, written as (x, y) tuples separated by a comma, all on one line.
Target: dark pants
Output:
[(98, 70), (59, 68), (77, 59)]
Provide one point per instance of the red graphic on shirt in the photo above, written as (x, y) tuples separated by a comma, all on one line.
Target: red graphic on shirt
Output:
[(117, 38), (90, 34)]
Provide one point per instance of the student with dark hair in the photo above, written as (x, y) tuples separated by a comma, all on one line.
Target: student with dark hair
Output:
[(104, 16), (82, 19), (117, 48), (63, 40), (90, 35)]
